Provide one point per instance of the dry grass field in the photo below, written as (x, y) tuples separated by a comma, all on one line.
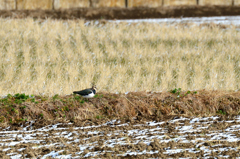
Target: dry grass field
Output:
[(57, 57)]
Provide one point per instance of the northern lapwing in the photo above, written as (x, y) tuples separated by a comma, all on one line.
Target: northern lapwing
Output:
[(87, 93)]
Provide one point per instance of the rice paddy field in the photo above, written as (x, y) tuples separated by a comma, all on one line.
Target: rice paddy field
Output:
[(48, 57), (165, 90), (202, 137)]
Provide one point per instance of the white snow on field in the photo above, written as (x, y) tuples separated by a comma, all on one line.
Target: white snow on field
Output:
[(144, 133), (226, 20)]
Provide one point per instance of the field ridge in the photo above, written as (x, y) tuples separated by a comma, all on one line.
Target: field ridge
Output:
[(124, 13), (20, 108)]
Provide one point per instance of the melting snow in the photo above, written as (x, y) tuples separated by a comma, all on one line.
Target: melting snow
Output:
[(144, 133)]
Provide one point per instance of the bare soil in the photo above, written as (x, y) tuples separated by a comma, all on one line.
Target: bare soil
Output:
[(176, 137), (125, 13)]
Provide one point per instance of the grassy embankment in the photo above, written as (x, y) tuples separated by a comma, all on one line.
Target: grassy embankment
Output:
[(20, 108), (50, 57)]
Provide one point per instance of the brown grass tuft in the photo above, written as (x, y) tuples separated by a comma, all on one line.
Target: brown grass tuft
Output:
[(107, 106)]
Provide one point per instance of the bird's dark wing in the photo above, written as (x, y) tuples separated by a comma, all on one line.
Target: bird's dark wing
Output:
[(83, 92)]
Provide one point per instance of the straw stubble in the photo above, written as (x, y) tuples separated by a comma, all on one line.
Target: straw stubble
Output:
[(57, 57)]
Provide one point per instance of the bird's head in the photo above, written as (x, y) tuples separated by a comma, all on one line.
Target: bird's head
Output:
[(94, 87)]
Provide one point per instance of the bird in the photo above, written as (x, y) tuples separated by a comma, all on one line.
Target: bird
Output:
[(87, 93)]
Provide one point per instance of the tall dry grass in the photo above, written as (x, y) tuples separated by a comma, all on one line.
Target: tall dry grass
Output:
[(57, 57)]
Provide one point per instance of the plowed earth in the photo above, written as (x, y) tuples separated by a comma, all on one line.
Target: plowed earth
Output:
[(176, 137), (125, 13)]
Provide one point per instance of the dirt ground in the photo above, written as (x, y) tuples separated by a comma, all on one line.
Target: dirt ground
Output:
[(176, 137), (125, 13)]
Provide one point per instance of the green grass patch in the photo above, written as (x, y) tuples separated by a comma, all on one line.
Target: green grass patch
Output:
[(222, 112)]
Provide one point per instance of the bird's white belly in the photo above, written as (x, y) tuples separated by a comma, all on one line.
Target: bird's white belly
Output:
[(89, 95)]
